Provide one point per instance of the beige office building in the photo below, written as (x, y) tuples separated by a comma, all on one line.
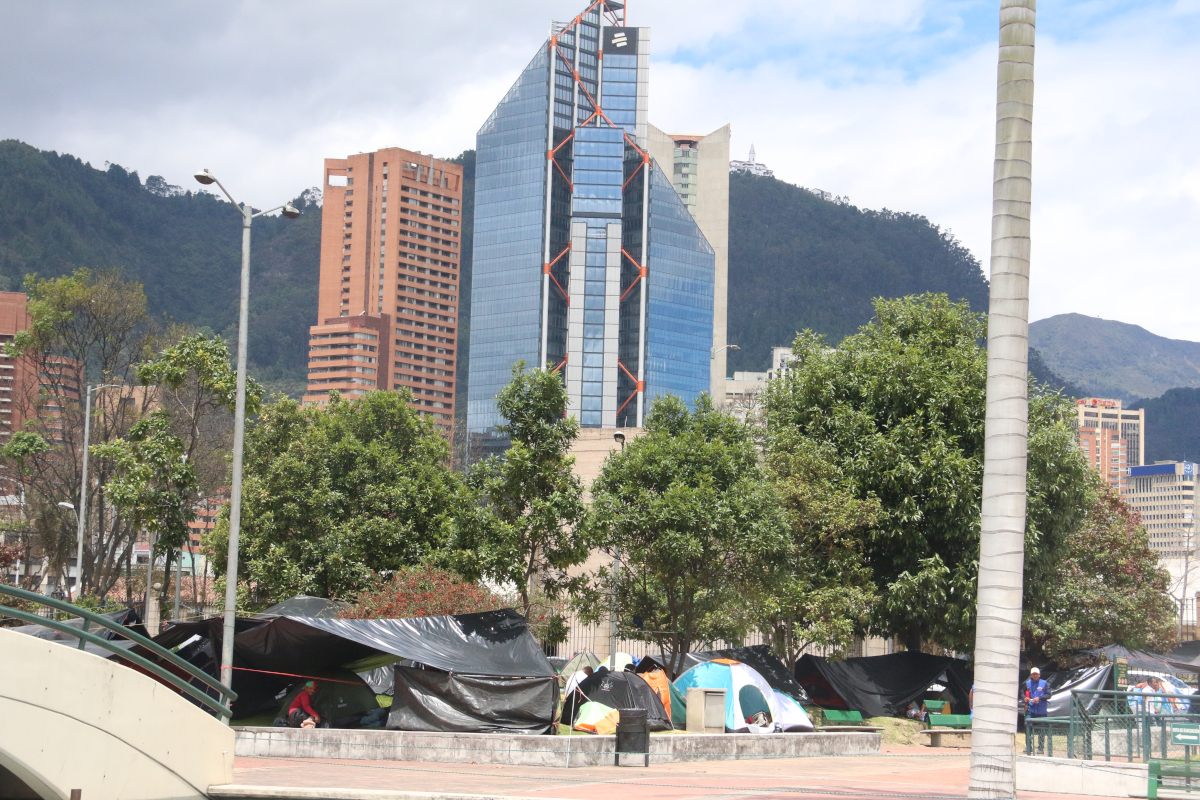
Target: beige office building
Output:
[(1164, 494), (699, 170)]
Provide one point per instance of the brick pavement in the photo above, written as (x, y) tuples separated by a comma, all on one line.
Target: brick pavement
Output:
[(903, 772)]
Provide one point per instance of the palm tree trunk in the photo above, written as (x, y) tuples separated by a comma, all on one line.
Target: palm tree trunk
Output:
[(1002, 537)]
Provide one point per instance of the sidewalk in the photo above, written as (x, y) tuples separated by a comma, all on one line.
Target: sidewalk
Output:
[(902, 772)]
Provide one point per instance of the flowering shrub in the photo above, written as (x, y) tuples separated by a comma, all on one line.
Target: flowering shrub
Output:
[(423, 591)]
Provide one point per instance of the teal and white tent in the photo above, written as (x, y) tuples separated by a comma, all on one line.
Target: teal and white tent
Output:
[(746, 694)]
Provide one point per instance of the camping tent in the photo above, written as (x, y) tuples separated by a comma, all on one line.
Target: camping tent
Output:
[(758, 656), (341, 700), (619, 690), (882, 686), (492, 644), (746, 693)]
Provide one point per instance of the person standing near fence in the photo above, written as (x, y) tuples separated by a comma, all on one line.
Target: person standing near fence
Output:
[(1036, 706)]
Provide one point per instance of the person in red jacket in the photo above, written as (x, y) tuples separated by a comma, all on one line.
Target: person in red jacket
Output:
[(301, 710)]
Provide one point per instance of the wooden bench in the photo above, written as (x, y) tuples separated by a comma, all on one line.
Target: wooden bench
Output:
[(949, 720), (1188, 771)]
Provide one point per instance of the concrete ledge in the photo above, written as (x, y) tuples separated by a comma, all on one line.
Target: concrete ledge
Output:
[(1073, 776), (539, 751)]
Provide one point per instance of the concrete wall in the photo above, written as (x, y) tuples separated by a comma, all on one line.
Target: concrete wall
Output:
[(72, 720), (539, 751), (1072, 776)]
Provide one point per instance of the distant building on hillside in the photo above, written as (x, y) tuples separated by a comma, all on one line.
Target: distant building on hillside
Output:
[(1111, 438), (388, 303), (1165, 495), (752, 166), (743, 392)]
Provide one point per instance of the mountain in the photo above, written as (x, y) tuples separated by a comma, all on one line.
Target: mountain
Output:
[(1172, 426), (58, 213), (1106, 358), (799, 259)]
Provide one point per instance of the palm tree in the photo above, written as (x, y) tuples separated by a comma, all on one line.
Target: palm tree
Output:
[(1002, 535)]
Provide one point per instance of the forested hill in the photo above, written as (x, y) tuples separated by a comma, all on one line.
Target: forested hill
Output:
[(798, 260), (58, 214)]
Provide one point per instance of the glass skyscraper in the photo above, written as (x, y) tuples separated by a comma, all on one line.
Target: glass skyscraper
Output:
[(585, 258)]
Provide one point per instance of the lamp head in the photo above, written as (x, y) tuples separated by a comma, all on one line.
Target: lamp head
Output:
[(290, 211), (734, 347), (619, 437), (205, 177), (68, 506)]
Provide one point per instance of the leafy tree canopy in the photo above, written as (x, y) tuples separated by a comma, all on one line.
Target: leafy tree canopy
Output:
[(901, 405), (696, 527), (334, 495)]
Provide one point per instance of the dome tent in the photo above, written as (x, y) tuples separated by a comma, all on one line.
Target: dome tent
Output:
[(619, 690), (746, 694)]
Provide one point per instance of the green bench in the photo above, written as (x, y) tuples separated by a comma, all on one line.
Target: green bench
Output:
[(936, 706), (842, 717), (950, 720), (1188, 771)]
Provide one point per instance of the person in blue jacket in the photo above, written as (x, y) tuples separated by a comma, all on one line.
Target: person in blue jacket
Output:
[(1036, 697)]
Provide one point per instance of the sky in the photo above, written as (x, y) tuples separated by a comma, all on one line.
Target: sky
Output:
[(891, 104)]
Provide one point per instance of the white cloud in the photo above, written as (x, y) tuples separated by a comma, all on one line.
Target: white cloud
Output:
[(889, 103)]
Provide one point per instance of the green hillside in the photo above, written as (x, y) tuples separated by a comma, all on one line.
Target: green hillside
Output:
[(1107, 358), (58, 213), (800, 261), (1172, 426)]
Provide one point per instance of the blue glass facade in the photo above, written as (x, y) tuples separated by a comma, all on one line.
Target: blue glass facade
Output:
[(510, 218), (679, 319), (561, 268)]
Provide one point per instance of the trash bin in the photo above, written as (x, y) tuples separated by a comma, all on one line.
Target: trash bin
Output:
[(633, 735)]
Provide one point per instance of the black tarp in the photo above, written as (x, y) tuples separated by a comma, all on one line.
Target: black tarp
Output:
[(1062, 683), (619, 690), (494, 643), (882, 686), (341, 701), (431, 700)]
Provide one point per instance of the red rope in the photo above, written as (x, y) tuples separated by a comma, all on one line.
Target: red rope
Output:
[(293, 675)]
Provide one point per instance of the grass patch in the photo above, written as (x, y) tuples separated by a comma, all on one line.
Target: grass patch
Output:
[(898, 731)]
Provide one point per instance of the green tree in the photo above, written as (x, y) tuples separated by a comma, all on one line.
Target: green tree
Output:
[(533, 503), (696, 525), (821, 593), (901, 405), (1109, 588), (332, 496), (86, 327)]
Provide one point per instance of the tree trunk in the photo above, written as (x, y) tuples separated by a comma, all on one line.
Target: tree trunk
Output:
[(1002, 535), (911, 639)]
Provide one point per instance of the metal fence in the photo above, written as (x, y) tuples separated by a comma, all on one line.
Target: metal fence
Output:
[(1107, 725)]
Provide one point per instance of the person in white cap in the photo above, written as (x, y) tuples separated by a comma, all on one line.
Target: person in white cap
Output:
[(1036, 696)]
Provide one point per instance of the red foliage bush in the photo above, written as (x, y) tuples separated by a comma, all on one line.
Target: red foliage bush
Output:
[(423, 592)]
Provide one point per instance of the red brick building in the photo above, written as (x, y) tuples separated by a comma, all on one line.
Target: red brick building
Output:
[(388, 299)]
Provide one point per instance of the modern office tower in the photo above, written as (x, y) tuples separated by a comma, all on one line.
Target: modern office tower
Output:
[(1164, 494), (1111, 438), (585, 257), (699, 173), (388, 300)]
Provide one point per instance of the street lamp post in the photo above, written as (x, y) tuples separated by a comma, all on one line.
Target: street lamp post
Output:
[(81, 512), (619, 438), (712, 353), (239, 425)]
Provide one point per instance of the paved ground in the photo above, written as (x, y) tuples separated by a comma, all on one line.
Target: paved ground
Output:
[(904, 772)]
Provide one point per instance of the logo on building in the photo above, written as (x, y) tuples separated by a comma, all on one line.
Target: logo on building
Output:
[(619, 40)]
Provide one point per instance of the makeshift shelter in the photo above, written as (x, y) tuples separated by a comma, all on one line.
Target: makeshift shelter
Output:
[(467, 648), (1138, 659), (882, 686), (622, 661), (122, 616), (746, 693), (619, 690), (342, 700), (1062, 683), (757, 656)]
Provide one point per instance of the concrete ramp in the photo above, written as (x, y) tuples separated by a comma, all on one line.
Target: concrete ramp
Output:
[(72, 720)]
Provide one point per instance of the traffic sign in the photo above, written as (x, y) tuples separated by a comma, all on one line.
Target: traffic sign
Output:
[(1185, 733)]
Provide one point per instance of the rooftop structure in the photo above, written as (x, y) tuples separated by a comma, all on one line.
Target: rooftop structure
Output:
[(752, 166)]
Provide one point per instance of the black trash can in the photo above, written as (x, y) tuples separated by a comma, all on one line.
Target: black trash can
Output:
[(633, 735)]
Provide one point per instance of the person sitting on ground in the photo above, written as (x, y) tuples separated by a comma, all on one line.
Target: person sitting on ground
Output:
[(301, 713), (919, 713)]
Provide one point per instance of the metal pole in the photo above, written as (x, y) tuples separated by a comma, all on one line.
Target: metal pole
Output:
[(239, 438), (81, 514), (1187, 556), (175, 615)]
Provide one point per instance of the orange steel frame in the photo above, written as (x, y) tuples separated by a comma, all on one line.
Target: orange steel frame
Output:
[(640, 386)]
